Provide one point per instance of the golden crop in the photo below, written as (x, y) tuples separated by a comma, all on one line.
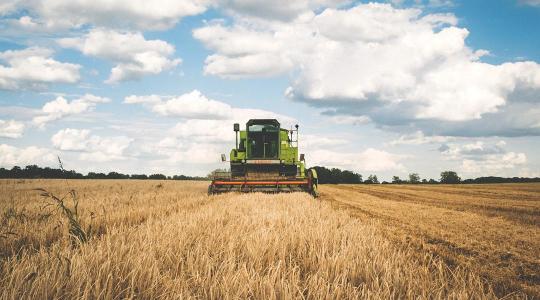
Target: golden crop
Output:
[(168, 239)]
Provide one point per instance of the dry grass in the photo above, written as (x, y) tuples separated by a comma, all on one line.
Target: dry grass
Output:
[(493, 230), (169, 240)]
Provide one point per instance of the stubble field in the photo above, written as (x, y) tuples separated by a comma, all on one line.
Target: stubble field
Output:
[(168, 239)]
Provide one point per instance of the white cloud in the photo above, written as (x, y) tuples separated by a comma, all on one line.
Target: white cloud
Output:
[(191, 154), (133, 55), (283, 10), (71, 139), (475, 150), (150, 99), (92, 147), (140, 14), (196, 106), (419, 138), (193, 105), (8, 6), (243, 52), (11, 129), (312, 142), (484, 159), (349, 120), (369, 160), (60, 108), (390, 65), (34, 68), (13, 156), (203, 131), (493, 164)]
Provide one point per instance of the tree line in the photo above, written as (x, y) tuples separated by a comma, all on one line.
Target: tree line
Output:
[(34, 171), (325, 175), (336, 176)]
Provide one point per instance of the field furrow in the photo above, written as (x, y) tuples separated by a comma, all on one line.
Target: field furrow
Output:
[(504, 250)]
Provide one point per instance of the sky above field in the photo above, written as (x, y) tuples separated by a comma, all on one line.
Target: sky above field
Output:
[(386, 88)]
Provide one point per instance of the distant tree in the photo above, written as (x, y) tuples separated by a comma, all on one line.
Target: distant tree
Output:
[(432, 181), (4, 173), (414, 178), (184, 177), (450, 177), (157, 176), (424, 181), (16, 172), (396, 180), (336, 175), (494, 179), (138, 176), (324, 175), (92, 175), (372, 179), (116, 175), (350, 177)]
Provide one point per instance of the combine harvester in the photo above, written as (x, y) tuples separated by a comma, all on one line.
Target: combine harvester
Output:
[(265, 159)]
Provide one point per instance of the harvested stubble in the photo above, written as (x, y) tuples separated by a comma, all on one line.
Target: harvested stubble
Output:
[(491, 229), (176, 242)]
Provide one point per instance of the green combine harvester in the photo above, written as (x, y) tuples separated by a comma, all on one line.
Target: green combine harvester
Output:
[(265, 159)]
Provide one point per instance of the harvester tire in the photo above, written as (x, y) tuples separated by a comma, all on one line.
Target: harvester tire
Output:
[(210, 190)]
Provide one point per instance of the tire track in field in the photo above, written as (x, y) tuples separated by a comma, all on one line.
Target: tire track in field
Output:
[(504, 253), (523, 214)]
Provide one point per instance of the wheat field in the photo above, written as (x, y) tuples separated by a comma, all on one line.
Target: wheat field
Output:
[(169, 240)]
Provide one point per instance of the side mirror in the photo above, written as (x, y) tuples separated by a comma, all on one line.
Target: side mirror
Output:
[(223, 157), (236, 127), (302, 157)]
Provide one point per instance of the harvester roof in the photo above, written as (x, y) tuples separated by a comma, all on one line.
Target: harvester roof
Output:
[(263, 121)]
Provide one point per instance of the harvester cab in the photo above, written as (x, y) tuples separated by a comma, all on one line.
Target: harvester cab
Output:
[(265, 159)]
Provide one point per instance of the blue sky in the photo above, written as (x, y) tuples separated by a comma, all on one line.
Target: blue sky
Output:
[(386, 87)]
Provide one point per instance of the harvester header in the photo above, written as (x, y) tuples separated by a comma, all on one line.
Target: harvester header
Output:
[(265, 159)]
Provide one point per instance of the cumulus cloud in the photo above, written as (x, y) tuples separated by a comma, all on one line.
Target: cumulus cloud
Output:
[(133, 55), (312, 142), (196, 106), (369, 160), (193, 105), (485, 159), (14, 156), (397, 67), (91, 147), (34, 68), (140, 14), (11, 129), (419, 138), (348, 120), (493, 164), (60, 108), (282, 10), (474, 150)]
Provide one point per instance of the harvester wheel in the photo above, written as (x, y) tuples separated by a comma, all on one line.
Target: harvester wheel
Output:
[(210, 190)]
